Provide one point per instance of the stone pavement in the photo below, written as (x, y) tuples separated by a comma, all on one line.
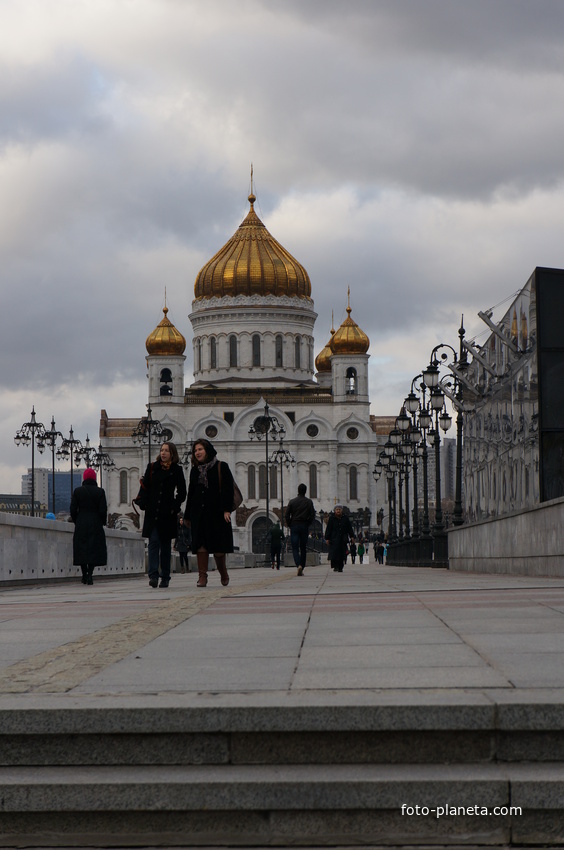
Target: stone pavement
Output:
[(371, 632)]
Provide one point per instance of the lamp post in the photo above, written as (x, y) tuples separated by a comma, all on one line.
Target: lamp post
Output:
[(28, 433), (101, 460), (69, 448), (437, 400), (145, 430), (49, 438), (284, 458), (262, 427)]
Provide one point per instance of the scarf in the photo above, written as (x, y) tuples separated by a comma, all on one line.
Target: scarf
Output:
[(203, 470)]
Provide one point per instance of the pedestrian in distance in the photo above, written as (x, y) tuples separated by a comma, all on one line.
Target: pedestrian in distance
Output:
[(300, 514), (276, 538), (337, 534), (380, 552), (164, 486), (361, 550), (208, 510), (352, 552), (182, 543), (89, 512)]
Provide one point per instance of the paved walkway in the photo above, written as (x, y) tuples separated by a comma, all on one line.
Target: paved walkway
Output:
[(370, 631)]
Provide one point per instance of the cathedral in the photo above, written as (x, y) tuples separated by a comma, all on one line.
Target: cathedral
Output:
[(275, 413)]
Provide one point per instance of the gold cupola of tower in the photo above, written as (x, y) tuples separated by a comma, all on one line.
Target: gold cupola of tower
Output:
[(165, 339), (252, 262), (349, 338), (323, 359)]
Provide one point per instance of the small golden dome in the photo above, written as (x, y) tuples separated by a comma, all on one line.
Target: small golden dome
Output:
[(252, 262), (349, 339), (165, 339), (323, 359)]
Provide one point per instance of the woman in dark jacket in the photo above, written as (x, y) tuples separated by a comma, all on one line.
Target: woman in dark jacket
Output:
[(165, 491), (89, 511), (208, 510), (337, 534)]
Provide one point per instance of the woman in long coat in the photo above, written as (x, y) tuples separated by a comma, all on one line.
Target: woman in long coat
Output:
[(337, 534), (208, 510), (89, 511), (165, 490)]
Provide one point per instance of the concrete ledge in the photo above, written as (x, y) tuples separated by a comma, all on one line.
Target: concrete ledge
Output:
[(523, 543), (34, 549)]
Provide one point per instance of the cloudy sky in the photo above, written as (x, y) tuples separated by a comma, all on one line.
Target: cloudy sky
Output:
[(410, 149)]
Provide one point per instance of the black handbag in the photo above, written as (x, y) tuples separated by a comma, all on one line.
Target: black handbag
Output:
[(141, 500)]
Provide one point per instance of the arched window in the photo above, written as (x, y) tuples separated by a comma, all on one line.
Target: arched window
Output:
[(278, 349), (213, 353), (353, 483), (310, 358), (166, 376), (262, 481), (298, 352), (123, 497), (273, 482), (312, 481), (256, 350), (165, 390), (199, 355), (351, 381), (251, 482), (233, 350)]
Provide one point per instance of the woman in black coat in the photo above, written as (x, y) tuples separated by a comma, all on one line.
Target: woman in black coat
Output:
[(337, 534), (89, 511), (208, 510), (164, 488)]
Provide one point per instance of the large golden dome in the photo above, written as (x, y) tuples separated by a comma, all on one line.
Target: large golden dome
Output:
[(349, 339), (165, 339), (252, 262)]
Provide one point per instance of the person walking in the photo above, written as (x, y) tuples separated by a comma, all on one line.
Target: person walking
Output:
[(361, 550), (300, 514), (165, 490), (276, 538), (89, 512), (337, 534), (352, 552), (380, 552), (208, 510), (182, 543)]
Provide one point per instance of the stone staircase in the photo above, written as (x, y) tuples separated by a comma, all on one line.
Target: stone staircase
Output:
[(284, 772)]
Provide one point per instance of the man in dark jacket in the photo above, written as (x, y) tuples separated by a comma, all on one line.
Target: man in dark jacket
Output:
[(337, 534), (300, 514)]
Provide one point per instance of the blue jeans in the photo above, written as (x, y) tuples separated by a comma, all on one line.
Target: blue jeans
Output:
[(156, 548), (298, 537)]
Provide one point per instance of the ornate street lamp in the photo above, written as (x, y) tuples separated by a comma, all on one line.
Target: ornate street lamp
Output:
[(148, 429), (69, 449), (284, 458), (49, 438), (263, 427), (101, 460), (28, 433)]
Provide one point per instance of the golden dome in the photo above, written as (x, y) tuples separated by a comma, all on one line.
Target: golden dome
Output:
[(252, 262), (323, 359), (349, 339), (165, 339)]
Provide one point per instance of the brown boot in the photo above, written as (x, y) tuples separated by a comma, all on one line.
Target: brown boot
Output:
[(222, 569), (202, 558)]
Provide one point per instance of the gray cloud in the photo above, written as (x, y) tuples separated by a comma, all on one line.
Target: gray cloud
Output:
[(411, 151)]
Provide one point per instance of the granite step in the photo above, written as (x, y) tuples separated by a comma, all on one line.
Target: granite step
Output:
[(257, 775)]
